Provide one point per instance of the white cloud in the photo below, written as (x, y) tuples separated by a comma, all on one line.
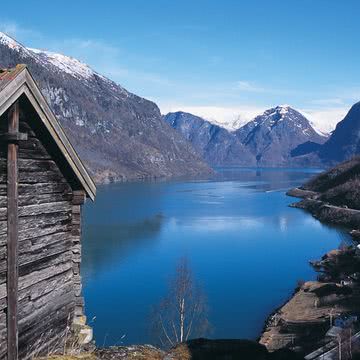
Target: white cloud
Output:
[(325, 120)]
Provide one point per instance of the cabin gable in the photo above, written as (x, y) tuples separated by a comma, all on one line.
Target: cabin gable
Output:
[(40, 229)]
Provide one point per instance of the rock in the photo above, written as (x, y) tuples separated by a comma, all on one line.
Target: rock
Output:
[(85, 335), (227, 349)]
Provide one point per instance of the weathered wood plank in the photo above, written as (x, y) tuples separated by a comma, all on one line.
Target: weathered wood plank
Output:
[(45, 263), (45, 208), (43, 346), (3, 233), (47, 330), (35, 165), (27, 307), (40, 275), (44, 188), (41, 241), (3, 252), (41, 288), (42, 231), (47, 306), (44, 287), (39, 225), (12, 235), (33, 199), (3, 344), (41, 338), (35, 171), (40, 255), (2, 320), (30, 149), (79, 197), (41, 188), (38, 177), (39, 209)]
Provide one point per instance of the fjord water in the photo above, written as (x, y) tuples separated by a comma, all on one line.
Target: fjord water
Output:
[(246, 247)]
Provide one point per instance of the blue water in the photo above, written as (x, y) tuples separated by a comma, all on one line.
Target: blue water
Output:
[(246, 247)]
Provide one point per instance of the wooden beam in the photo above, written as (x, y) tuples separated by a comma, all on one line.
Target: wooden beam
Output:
[(15, 137), (79, 197), (12, 236)]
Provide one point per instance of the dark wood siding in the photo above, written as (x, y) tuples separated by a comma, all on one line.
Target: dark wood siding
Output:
[(49, 249), (3, 239)]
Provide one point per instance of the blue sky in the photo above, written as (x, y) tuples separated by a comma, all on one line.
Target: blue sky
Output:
[(218, 58)]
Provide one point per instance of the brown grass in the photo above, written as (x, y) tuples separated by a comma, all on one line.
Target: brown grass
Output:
[(81, 356), (181, 352)]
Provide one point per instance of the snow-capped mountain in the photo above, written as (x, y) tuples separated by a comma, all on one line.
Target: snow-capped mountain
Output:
[(65, 64), (119, 135), (278, 137), (216, 145), (230, 124), (274, 136)]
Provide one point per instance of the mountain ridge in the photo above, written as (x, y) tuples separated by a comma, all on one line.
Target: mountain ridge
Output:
[(119, 135), (344, 141), (274, 138)]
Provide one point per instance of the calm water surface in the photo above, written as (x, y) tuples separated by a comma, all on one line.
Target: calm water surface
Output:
[(245, 246)]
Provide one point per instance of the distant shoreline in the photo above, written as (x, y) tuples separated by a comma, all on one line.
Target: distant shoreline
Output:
[(276, 336)]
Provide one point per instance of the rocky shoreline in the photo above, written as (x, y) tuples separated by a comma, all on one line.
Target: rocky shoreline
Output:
[(326, 212), (302, 322)]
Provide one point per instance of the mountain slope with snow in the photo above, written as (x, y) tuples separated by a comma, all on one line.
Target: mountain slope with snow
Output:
[(274, 136), (233, 124), (216, 145), (281, 136), (119, 135)]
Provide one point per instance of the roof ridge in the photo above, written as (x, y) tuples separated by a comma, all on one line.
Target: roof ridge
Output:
[(25, 84), (7, 75)]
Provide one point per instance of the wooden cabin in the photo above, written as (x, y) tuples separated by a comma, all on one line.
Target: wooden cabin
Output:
[(43, 184)]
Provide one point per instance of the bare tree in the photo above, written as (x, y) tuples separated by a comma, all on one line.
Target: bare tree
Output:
[(182, 314)]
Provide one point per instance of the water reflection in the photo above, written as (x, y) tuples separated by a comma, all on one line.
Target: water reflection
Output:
[(106, 244), (266, 179), (246, 247)]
